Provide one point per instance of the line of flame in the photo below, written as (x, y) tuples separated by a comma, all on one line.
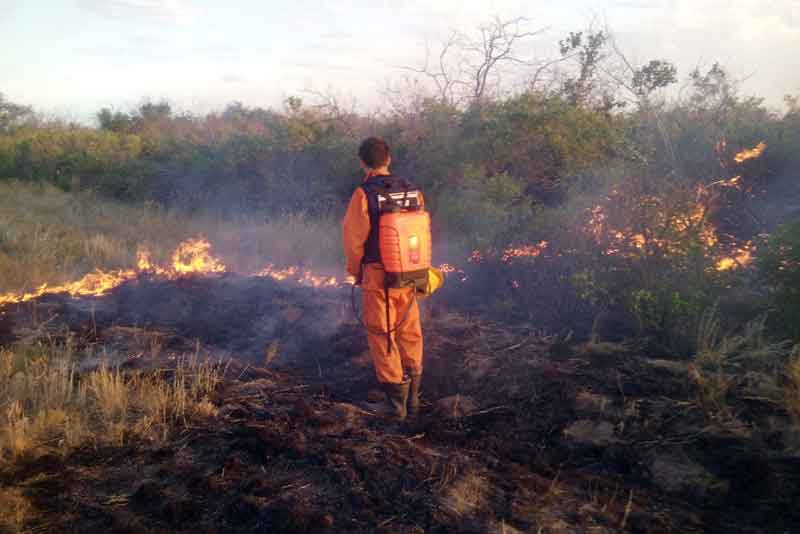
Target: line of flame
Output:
[(302, 276), (751, 153), (191, 257)]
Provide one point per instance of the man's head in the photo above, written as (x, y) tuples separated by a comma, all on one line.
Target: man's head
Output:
[(374, 153)]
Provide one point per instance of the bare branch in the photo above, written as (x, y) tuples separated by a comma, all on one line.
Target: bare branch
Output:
[(467, 64)]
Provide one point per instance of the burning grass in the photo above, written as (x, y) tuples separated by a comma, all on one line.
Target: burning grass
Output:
[(48, 406), (51, 237)]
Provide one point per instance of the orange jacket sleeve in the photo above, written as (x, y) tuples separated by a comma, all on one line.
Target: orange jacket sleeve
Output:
[(355, 230)]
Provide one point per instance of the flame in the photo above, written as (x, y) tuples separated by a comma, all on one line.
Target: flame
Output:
[(93, 284), (742, 257), (626, 242), (143, 262), (191, 257), (735, 183), (524, 251), (638, 240), (693, 219), (303, 277), (448, 269), (476, 256), (597, 219), (751, 153)]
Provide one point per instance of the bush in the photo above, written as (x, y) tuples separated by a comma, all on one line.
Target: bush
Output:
[(780, 266)]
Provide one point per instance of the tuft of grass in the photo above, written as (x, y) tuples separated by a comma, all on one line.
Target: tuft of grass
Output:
[(708, 369), (792, 392), (466, 495), (107, 391), (46, 406), (721, 361), (15, 508)]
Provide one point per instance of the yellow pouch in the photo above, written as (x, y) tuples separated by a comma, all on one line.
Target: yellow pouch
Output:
[(434, 281)]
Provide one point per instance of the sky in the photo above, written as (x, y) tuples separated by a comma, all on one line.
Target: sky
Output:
[(69, 58)]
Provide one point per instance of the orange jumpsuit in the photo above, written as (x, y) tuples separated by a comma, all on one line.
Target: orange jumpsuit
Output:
[(406, 345)]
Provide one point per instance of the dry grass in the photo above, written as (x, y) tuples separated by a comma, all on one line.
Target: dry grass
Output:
[(708, 370), (466, 495), (792, 392), (46, 406), (49, 236), (14, 509), (723, 361)]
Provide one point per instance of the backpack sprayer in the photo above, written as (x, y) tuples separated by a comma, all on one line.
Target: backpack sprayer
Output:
[(400, 240)]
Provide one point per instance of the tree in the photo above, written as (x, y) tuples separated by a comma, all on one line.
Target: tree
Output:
[(115, 121), (12, 115), (467, 65), (656, 74), (155, 110), (713, 89), (588, 51)]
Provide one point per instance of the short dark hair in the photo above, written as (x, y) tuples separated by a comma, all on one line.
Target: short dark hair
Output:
[(374, 152)]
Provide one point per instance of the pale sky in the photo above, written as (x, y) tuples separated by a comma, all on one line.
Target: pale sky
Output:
[(71, 57)]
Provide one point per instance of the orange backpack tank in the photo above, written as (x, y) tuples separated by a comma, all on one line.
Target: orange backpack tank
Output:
[(405, 243), (401, 235)]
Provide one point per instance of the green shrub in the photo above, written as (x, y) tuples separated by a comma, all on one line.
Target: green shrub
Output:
[(780, 265)]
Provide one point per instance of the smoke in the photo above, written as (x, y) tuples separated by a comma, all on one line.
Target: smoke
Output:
[(229, 314)]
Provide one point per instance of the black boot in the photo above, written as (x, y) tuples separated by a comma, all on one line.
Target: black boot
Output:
[(397, 395), (413, 394)]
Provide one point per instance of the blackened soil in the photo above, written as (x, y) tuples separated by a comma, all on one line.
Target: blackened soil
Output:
[(512, 438)]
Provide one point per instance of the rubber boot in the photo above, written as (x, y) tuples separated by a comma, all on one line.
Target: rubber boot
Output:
[(413, 394), (397, 396)]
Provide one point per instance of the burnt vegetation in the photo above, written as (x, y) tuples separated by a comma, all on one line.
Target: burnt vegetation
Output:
[(615, 349)]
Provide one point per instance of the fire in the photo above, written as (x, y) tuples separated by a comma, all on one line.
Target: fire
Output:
[(627, 242), (638, 240), (597, 219), (524, 251), (93, 284), (751, 153), (143, 261), (449, 269), (302, 277), (192, 256), (742, 257), (476, 256), (733, 182)]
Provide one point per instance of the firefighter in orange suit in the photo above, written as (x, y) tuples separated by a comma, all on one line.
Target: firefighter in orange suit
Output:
[(397, 356)]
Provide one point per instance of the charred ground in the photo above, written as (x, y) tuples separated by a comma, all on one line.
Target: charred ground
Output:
[(520, 431)]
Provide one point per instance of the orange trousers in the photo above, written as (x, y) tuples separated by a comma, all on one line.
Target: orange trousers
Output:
[(406, 346)]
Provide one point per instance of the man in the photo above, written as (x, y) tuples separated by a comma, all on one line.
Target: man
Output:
[(397, 356)]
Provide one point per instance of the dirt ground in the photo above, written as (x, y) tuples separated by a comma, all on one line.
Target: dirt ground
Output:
[(517, 433)]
